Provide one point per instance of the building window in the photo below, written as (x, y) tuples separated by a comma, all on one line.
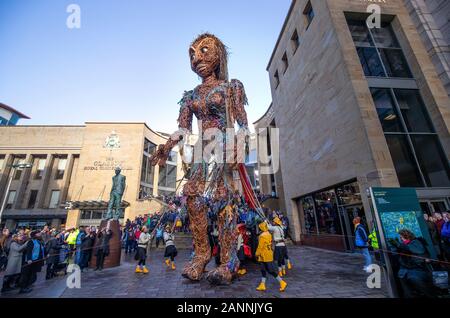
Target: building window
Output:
[(147, 170), (309, 14), (18, 172), (285, 61), (276, 77), (40, 169), (11, 199), (378, 50), (295, 41), (149, 147), (97, 214), (54, 199), (62, 162), (33, 198), (413, 143), (309, 219), (167, 177)]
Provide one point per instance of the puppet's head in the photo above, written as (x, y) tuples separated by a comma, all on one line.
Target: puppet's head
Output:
[(209, 56)]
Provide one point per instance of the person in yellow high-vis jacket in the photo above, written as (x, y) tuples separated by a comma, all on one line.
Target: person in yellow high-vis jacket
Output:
[(264, 255)]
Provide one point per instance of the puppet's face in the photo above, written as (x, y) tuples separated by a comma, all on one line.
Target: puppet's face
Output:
[(205, 57)]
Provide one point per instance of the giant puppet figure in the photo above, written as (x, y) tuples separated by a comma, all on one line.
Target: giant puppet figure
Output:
[(217, 103)]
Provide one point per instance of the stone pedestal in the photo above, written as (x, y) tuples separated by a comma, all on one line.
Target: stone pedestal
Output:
[(115, 246)]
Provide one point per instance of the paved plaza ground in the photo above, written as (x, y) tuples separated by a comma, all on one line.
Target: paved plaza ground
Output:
[(316, 273)]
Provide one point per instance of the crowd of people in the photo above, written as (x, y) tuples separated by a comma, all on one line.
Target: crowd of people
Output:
[(25, 252)]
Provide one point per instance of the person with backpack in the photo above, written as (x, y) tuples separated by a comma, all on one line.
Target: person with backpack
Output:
[(33, 261), (264, 255), (171, 251), (141, 254), (280, 246), (362, 242)]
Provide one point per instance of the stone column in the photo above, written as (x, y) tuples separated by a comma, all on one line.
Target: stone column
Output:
[(4, 176)]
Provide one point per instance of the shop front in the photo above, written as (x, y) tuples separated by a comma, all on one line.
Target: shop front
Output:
[(326, 216)]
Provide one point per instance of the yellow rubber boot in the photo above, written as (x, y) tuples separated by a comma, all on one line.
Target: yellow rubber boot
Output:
[(145, 270), (283, 285), (173, 266), (242, 271), (280, 273), (284, 271), (261, 287), (167, 262), (289, 265), (138, 269)]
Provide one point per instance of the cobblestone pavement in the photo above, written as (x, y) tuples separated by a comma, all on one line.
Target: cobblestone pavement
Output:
[(316, 273)]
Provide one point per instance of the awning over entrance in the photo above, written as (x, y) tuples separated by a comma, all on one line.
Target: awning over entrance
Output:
[(92, 205)]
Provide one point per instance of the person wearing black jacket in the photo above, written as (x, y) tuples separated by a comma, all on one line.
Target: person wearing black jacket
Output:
[(103, 238), (52, 249), (413, 274), (32, 263), (87, 244)]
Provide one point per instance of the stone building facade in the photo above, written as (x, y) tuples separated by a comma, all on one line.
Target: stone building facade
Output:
[(76, 164), (355, 108)]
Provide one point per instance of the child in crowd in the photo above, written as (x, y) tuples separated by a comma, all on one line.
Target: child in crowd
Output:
[(280, 246), (264, 255), (171, 251)]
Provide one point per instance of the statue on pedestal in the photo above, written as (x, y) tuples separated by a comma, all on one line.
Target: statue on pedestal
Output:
[(115, 199)]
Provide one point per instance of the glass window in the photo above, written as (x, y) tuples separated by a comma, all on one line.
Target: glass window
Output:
[(86, 215), (413, 110), (54, 199), (62, 162), (371, 62), (405, 165), (277, 79), (33, 198), (384, 36), (18, 172), (295, 41), (173, 156), (360, 33), (309, 13), (432, 161), (395, 63), (327, 213), (149, 147), (386, 110), (285, 61), (97, 215), (40, 168), (349, 194), (309, 215), (144, 192), (11, 199)]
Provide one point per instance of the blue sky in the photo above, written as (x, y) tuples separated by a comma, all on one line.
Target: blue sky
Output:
[(129, 60)]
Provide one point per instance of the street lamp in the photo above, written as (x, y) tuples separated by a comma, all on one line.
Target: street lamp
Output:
[(20, 166)]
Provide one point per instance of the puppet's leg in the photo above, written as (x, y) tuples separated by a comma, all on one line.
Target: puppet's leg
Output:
[(229, 262), (197, 211)]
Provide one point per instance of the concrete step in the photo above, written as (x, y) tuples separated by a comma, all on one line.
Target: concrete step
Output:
[(182, 241)]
